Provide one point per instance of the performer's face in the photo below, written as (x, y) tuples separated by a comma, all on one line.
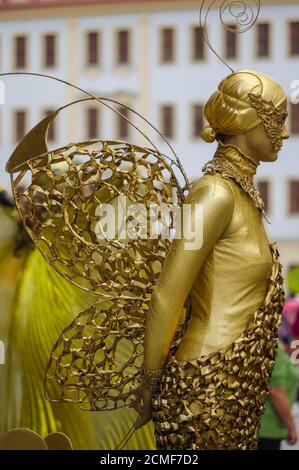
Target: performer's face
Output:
[(266, 140)]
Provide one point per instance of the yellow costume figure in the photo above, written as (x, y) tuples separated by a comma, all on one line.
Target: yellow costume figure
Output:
[(36, 305), (33, 311), (213, 382)]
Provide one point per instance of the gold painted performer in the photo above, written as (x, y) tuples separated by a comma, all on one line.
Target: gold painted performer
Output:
[(206, 388), (208, 391)]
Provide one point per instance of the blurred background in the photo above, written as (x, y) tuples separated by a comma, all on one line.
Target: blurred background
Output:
[(150, 55)]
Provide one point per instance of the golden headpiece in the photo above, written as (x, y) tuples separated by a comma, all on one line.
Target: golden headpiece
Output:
[(240, 102)]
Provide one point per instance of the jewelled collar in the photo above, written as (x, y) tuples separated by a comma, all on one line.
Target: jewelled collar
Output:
[(230, 162)]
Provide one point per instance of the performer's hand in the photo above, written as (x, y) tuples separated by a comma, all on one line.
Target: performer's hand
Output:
[(143, 405), (292, 435)]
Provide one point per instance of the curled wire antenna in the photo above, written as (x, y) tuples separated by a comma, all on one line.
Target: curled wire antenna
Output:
[(240, 12)]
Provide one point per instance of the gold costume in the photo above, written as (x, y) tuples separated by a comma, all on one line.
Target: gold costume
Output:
[(210, 379), (228, 277), (216, 401)]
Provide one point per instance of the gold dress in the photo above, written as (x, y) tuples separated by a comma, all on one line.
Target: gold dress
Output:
[(216, 371)]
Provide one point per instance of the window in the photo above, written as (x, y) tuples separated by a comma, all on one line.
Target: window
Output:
[(123, 47), (294, 38), (231, 42), (52, 128), (50, 50), (20, 125), (198, 43), (167, 121), (123, 127), (92, 123), (20, 52), (93, 39), (294, 197), (167, 45), (263, 40), (294, 116), (263, 187), (197, 120)]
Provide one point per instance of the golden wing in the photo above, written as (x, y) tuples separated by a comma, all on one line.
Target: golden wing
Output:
[(61, 196)]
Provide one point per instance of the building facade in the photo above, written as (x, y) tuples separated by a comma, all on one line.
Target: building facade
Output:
[(151, 56)]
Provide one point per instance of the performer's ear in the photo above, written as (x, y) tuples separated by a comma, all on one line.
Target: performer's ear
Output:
[(33, 144)]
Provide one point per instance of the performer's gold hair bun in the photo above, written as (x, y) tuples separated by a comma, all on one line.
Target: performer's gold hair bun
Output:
[(229, 110), (208, 134)]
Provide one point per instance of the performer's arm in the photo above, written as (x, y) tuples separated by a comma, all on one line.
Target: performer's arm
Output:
[(182, 265)]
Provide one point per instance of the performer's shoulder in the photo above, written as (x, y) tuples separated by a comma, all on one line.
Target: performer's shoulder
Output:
[(213, 184)]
